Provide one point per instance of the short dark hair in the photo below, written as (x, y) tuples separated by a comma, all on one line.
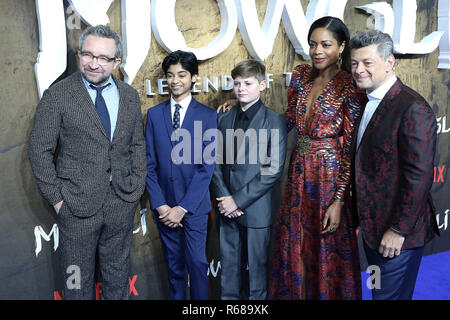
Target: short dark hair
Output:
[(340, 32), (102, 31), (368, 37), (188, 61), (249, 68)]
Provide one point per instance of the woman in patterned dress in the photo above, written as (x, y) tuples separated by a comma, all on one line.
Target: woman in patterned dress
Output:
[(316, 254)]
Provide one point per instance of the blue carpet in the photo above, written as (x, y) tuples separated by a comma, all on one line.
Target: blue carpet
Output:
[(433, 280)]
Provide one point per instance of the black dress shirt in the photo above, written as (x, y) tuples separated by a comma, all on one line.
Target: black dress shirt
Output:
[(243, 118)]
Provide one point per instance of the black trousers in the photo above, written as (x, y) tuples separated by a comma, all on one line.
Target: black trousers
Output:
[(107, 235)]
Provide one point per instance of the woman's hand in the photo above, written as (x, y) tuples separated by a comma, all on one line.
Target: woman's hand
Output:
[(227, 105), (332, 217)]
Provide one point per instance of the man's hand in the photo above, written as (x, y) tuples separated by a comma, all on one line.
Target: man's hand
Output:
[(391, 244), (235, 214), (57, 206), (226, 205), (162, 209), (227, 105), (172, 217)]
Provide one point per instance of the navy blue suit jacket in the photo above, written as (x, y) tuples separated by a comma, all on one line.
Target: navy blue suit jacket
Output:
[(179, 172)]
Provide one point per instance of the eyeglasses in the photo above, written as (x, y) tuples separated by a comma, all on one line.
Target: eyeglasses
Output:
[(101, 60)]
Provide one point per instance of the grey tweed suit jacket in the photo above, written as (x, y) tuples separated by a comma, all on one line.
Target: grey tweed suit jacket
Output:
[(66, 116)]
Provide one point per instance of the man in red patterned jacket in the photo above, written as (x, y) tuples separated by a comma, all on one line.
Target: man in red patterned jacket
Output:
[(393, 152)]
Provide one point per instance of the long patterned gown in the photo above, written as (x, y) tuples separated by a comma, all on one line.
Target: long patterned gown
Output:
[(308, 264)]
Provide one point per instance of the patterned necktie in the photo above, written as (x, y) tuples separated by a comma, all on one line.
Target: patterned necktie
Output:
[(176, 117), (102, 110)]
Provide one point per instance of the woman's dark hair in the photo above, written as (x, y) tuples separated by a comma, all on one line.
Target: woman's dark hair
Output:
[(340, 33), (188, 61)]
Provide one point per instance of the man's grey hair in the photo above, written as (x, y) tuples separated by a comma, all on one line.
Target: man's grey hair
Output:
[(367, 38), (103, 32)]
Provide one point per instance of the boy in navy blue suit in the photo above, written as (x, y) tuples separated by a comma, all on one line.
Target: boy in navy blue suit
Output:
[(179, 171)]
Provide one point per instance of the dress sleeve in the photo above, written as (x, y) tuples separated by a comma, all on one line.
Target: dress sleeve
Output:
[(297, 78), (351, 110)]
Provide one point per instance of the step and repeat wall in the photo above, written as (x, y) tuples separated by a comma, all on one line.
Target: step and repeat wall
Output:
[(39, 40)]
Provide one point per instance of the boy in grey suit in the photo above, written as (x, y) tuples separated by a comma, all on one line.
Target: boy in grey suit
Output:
[(243, 179), (100, 169)]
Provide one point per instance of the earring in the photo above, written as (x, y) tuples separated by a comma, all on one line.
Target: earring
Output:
[(339, 62)]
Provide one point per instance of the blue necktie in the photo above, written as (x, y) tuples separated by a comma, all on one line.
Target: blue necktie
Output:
[(102, 110), (176, 117)]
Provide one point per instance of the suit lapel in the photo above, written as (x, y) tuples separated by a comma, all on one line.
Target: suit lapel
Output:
[(384, 106), (122, 112), (168, 120), (225, 121), (190, 112), (355, 131), (229, 118), (82, 97)]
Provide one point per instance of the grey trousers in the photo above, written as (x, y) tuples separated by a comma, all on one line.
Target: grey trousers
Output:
[(242, 247), (107, 235)]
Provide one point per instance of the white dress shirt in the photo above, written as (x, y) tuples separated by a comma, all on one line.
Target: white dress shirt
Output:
[(375, 98), (184, 106)]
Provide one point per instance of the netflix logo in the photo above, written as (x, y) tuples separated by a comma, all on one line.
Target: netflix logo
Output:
[(439, 174), (57, 295)]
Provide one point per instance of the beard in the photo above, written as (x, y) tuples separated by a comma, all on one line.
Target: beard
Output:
[(95, 82)]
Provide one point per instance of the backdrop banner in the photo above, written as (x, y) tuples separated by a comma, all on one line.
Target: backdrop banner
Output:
[(39, 44)]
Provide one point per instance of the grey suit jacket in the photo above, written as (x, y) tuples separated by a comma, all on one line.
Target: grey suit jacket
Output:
[(250, 183), (66, 116)]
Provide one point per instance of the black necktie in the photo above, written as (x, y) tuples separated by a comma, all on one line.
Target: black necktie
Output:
[(176, 117), (102, 110)]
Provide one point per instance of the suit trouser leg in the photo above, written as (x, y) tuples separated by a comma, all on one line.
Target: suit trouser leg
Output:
[(195, 230), (185, 250), (398, 274), (258, 240), (231, 258), (173, 249), (109, 233), (78, 239), (114, 246)]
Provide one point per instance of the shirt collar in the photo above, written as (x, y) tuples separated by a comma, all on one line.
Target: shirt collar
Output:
[(250, 112), (380, 92), (87, 83), (183, 103)]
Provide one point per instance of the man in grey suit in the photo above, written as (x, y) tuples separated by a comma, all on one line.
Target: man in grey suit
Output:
[(100, 171), (243, 181)]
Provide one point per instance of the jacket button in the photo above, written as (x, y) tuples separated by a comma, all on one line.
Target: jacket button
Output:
[(171, 179)]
